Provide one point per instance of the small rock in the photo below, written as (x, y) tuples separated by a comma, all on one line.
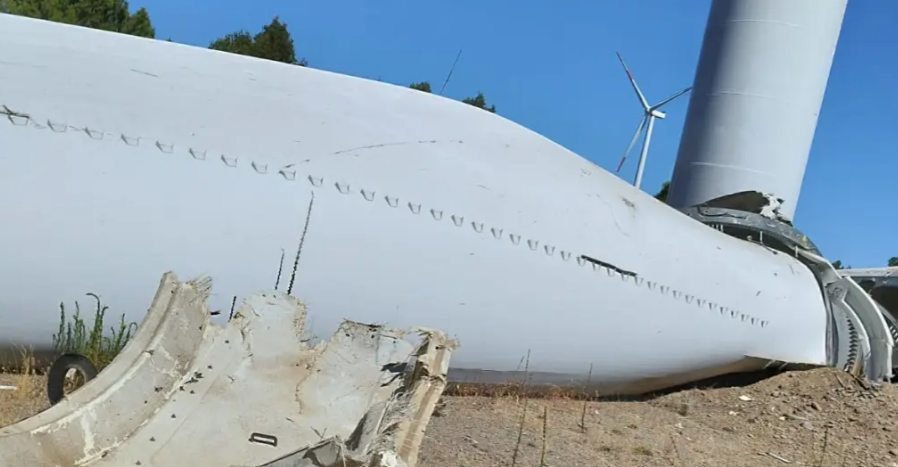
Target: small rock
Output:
[(894, 452), (807, 426), (816, 406)]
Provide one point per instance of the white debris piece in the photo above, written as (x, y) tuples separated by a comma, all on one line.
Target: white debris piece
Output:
[(185, 392)]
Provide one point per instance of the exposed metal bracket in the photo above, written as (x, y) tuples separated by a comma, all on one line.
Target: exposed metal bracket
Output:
[(753, 227), (869, 336)]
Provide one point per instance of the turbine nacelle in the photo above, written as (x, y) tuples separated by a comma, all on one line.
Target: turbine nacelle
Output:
[(651, 113)]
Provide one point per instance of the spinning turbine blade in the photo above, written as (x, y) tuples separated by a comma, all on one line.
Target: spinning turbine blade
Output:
[(632, 142), (645, 103), (665, 101)]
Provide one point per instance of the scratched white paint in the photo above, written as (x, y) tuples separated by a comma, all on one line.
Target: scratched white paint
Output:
[(140, 156), (87, 421)]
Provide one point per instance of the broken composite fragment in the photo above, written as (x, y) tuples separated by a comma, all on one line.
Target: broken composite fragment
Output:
[(186, 392)]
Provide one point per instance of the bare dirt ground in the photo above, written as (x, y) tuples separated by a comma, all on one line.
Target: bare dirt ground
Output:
[(815, 418)]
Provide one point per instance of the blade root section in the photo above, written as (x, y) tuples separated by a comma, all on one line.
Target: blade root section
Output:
[(254, 393)]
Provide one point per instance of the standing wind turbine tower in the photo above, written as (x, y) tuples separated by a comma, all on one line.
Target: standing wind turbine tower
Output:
[(648, 122), (759, 87)]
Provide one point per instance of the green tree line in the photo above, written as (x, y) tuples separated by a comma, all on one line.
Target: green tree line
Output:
[(108, 15), (273, 42)]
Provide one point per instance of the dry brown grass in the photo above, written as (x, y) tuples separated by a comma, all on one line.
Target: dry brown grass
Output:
[(29, 397)]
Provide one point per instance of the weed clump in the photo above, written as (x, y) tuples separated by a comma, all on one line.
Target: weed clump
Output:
[(75, 336)]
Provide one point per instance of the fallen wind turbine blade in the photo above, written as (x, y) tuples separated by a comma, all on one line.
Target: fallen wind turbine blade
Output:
[(632, 142), (665, 101), (645, 103)]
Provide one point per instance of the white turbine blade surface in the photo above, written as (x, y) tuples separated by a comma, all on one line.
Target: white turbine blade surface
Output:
[(632, 142), (665, 101), (645, 103)]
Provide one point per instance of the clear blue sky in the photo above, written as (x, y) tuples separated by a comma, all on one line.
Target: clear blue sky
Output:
[(550, 66)]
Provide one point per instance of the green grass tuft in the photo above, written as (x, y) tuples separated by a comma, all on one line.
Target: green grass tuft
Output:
[(74, 335)]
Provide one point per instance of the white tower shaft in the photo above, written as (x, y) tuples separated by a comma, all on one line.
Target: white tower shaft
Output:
[(758, 90)]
